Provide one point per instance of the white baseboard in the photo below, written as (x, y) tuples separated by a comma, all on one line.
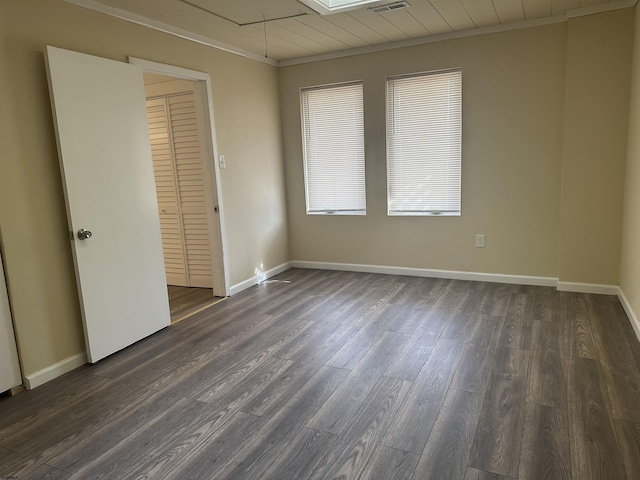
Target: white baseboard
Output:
[(633, 318), (52, 371), (426, 272), (588, 288), (261, 277)]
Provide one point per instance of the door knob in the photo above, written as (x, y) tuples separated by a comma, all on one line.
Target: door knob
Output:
[(84, 234)]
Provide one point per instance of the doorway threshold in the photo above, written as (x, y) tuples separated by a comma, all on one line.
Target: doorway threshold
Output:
[(197, 310)]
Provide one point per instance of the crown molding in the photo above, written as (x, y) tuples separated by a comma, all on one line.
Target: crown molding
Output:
[(534, 22), (169, 29)]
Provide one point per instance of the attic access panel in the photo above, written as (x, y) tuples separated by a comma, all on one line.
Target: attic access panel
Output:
[(246, 12)]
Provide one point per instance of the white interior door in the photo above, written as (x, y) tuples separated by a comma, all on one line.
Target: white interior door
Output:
[(105, 158), (9, 366)]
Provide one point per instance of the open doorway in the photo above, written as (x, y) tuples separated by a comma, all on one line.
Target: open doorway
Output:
[(188, 217)]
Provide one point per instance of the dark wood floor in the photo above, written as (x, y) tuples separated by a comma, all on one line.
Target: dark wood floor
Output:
[(350, 376), (184, 301)]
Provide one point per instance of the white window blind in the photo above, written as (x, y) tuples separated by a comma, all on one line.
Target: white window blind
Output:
[(333, 137), (424, 135)]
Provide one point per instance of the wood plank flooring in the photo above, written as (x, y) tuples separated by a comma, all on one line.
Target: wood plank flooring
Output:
[(339, 375)]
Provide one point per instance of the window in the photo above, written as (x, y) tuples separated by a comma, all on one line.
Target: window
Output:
[(424, 135), (333, 137)]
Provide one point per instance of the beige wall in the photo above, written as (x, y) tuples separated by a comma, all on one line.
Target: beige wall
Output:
[(630, 258), (544, 142), (513, 94), (595, 145), (32, 213)]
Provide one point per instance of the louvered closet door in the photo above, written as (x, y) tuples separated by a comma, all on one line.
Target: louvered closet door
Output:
[(187, 243), (190, 178), (168, 205)]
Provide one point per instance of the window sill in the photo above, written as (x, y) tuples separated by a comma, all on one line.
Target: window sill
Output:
[(339, 213), (424, 214)]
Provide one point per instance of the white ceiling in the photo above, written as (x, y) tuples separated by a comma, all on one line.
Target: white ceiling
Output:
[(296, 33)]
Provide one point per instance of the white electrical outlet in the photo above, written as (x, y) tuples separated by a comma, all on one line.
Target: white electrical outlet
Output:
[(221, 161), (480, 241)]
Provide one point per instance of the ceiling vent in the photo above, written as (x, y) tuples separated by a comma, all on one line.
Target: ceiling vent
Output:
[(390, 8)]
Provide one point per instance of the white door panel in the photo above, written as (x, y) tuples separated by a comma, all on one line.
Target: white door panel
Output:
[(9, 365), (105, 159)]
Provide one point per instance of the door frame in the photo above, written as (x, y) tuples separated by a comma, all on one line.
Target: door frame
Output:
[(211, 168)]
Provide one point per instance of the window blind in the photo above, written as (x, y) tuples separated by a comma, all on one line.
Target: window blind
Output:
[(424, 136), (333, 134)]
